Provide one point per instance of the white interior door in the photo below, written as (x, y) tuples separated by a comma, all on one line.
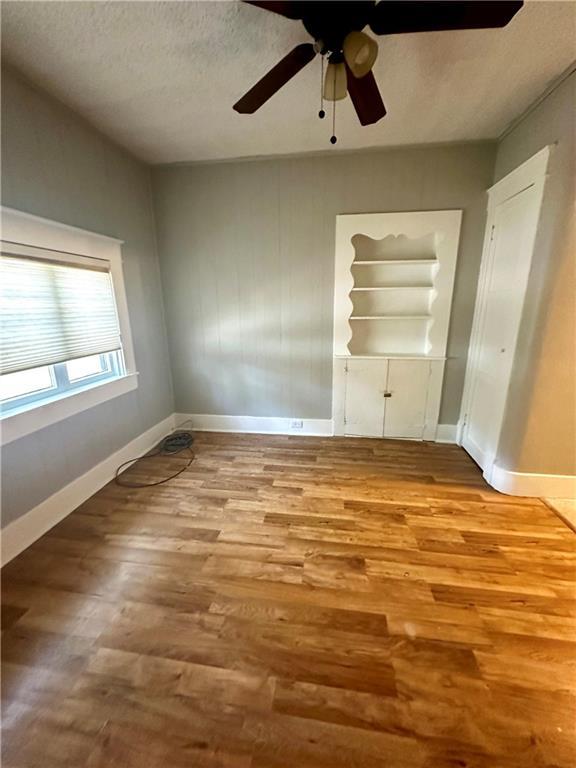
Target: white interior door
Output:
[(364, 402), (507, 258), (407, 385)]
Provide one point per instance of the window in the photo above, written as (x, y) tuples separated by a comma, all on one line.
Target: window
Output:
[(35, 385), (65, 334)]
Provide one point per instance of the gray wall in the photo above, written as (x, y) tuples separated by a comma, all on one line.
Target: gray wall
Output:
[(539, 432), (248, 258), (54, 165)]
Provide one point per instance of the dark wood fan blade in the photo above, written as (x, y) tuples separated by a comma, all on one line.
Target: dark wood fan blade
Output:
[(291, 10), (278, 76), (391, 17), (365, 97)]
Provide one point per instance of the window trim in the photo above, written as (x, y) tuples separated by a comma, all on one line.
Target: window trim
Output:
[(45, 238), (58, 372)]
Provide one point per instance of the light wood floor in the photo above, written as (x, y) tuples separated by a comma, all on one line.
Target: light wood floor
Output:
[(295, 603)]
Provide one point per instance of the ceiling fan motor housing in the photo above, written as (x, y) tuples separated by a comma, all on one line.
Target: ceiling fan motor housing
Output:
[(329, 23)]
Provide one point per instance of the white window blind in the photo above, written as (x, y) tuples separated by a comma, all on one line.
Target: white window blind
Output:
[(51, 312)]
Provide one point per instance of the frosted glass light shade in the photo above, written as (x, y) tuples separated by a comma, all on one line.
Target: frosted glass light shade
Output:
[(335, 87), (360, 52)]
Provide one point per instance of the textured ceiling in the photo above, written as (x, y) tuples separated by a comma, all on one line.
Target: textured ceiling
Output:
[(160, 78)]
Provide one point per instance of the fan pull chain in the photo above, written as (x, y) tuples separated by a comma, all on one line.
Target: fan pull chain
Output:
[(321, 114), (333, 138)]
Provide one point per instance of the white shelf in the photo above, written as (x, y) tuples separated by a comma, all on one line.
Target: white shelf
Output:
[(390, 317), (365, 262), (391, 356), (394, 288)]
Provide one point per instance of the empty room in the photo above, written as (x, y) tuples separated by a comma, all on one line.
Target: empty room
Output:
[(288, 384)]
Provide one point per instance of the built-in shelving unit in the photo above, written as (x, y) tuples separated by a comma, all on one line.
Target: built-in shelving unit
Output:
[(394, 278), (392, 294)]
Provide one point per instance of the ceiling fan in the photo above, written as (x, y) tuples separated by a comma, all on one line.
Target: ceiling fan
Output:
[(336, 28)]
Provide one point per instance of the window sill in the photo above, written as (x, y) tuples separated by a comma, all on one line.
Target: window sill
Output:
[(36, 416)]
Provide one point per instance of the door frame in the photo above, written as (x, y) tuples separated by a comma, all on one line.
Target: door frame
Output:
[(531, 173)]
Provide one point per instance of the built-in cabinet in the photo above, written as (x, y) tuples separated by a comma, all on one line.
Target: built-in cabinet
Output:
[(387, 397), (394, 277)]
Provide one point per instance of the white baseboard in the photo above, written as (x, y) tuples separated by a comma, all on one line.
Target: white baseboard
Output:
[(273, 425), (447, 433), (270, 425), (24, 531), (528, 484)]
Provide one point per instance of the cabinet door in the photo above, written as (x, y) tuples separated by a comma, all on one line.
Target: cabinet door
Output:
[(406, 406), (365, 387)]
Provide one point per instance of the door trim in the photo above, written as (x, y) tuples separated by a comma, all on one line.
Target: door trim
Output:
[(531, 173)]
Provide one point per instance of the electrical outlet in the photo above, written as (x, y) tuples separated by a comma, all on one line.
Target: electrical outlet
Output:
[(297, 424)]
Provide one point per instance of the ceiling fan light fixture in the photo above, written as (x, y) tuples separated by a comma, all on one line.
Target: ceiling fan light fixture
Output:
[(335, 87), (360, 52), (335, 26)]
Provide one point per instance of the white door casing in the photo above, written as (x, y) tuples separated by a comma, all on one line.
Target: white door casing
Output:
[(513, 211)]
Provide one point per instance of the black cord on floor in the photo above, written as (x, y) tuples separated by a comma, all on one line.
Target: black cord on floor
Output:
[(170, 446)]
